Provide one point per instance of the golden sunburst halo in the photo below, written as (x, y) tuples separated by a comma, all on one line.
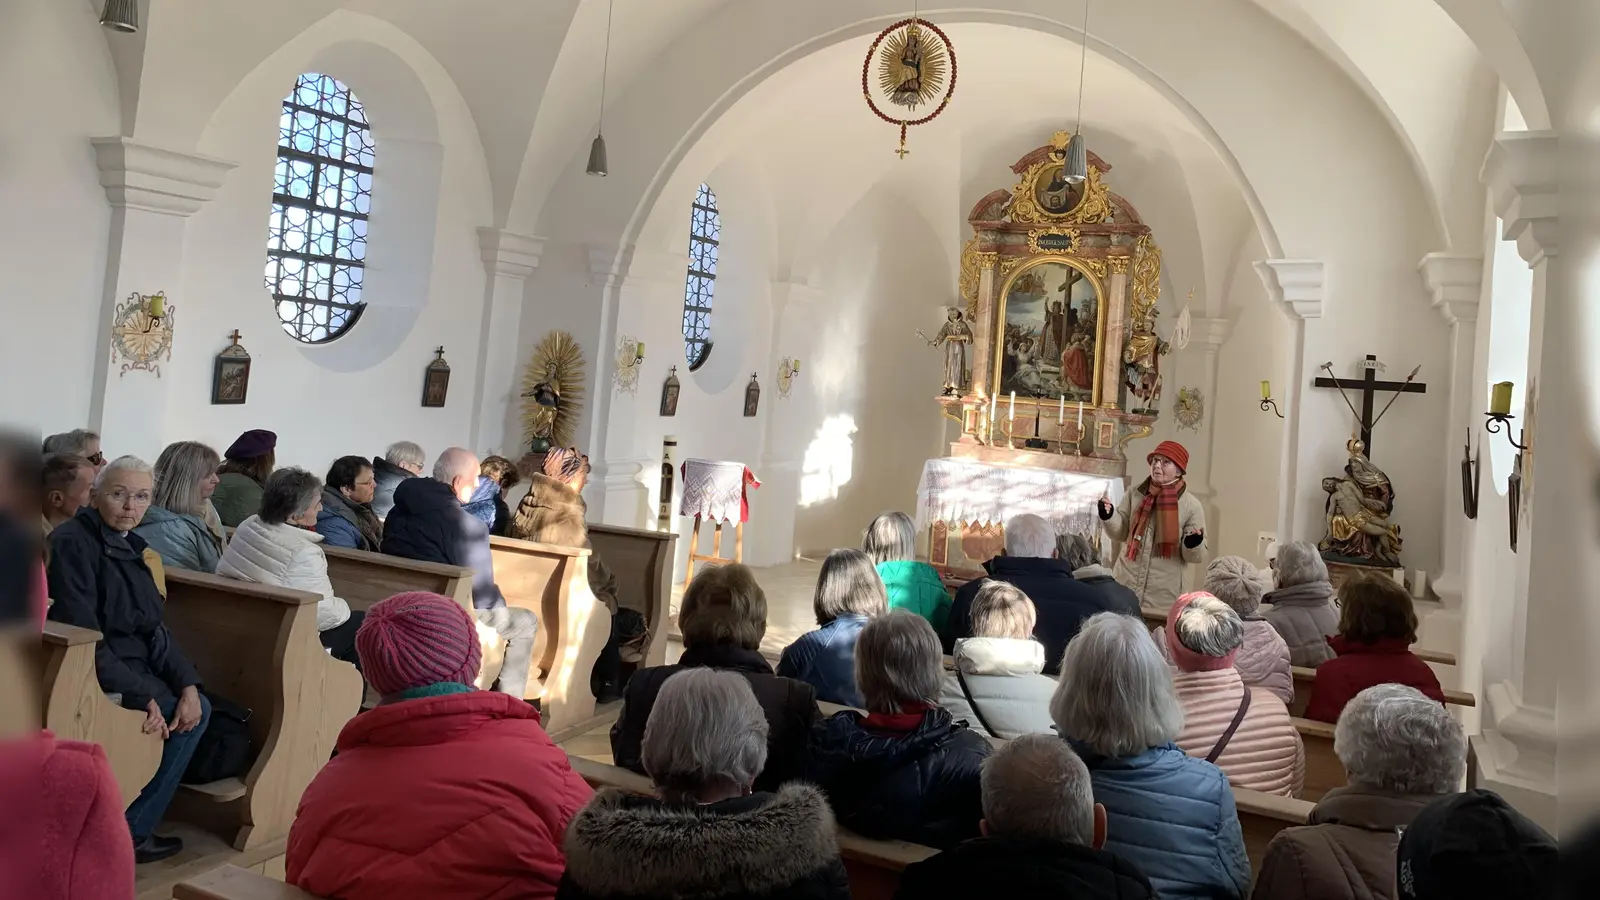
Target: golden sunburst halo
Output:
[(912, 65)]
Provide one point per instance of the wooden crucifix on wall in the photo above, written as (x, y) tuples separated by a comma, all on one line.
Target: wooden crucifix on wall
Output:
[(1370, 386)]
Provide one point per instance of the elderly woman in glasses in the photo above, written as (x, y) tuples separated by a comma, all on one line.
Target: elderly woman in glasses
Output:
[(99, 580)]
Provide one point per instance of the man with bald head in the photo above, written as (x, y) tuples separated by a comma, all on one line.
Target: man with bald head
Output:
[(429, 523)]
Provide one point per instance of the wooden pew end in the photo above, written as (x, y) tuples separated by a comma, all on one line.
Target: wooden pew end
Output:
[(234, 883)]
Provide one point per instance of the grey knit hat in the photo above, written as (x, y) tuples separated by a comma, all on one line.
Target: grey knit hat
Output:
[(1236, 582)]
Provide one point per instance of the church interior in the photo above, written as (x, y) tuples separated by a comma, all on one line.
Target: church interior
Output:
[(786, 266)]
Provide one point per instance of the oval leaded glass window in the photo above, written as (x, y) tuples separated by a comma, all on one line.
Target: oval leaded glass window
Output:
[(705, 230), (321, 196)]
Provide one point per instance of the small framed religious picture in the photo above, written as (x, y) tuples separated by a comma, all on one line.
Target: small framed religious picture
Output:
[(230, 377), (752, 397), (436, 383), (669, 393)]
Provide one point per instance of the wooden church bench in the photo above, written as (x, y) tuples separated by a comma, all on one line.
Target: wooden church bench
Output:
[(234, 883), (1305, 677), (1324, 772), (76, 709), (1262, 816), (574, 625), (257, 646), (363, 578), (642, 563)]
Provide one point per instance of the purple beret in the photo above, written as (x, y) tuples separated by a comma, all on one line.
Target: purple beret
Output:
[(252, 445)]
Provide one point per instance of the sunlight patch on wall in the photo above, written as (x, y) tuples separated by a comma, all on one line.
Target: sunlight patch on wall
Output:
[(827, 464)]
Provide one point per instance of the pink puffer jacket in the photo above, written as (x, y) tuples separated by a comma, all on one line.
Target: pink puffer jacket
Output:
[(1263, 660), (1265, 754)]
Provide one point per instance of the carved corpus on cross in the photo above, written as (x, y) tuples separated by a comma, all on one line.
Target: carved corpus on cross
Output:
[(1369, 386)]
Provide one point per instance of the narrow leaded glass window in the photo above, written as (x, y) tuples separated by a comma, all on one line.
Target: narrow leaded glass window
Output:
[(705, 230), (317, 238)]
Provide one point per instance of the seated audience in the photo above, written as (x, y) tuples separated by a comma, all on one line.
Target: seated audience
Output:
[(99, 580), (441, 790), (710, 833), (1030, 563), (496, 475), (67, 481), (552, 512), (175, 525), (279, 547), (1247, 731), (998, 687), (723, 616), (428, 523), (1082, 556), (1474, 845), (78, 442), (1377, 626), (244, 471), (1263, 658), (1303, 610), (849, 592), (1043, 836), (346, 518), (400, 460), (904, 770), (1169, 814), (891, 541), (1401, 751)]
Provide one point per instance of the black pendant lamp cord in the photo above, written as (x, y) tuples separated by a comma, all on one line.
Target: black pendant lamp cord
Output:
[(605, 69), (1083, 60)]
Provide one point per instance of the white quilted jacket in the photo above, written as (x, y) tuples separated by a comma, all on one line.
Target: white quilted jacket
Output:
[(1265, 754), (285, 556)]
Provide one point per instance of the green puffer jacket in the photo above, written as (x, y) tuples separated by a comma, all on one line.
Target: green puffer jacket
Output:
[(238, 497), (916, 586)]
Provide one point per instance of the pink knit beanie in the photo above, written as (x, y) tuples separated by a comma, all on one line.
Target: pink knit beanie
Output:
[(1185, 659), (416, 639)]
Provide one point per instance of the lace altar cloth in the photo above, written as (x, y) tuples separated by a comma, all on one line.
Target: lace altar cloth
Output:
[(969, 491), (715, 491)]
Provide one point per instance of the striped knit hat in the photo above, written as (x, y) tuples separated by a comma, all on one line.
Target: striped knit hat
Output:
[(416, 639)]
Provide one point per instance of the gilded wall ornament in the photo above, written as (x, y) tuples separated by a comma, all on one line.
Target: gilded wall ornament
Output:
[(552, 392), (1146, 278), (1190, 408), (1043, 195), (141, 333), (630, 355)]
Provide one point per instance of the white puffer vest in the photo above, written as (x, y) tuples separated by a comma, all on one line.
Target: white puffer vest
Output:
[(285, 556)]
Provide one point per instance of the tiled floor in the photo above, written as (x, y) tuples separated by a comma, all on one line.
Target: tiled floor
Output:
[(789, 589)]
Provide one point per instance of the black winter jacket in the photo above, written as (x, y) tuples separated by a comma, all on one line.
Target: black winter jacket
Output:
[(386, 477), (99, 580), (1061, 602), (428, 523), (790, 706), (919, 786), (1024, 869)]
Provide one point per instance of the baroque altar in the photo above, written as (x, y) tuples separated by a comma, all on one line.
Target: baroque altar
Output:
[(1059, 284)]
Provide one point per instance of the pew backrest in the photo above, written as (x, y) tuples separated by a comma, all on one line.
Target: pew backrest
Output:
[(642, 563), (363, 578), (75, 708), (234, 883)]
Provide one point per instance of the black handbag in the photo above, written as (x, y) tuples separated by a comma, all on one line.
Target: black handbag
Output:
[(224, 749)]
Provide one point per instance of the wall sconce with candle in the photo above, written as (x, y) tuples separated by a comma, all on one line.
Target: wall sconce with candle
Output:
[(1266, 399), (788, 371), (630, 356), (1499, 414)]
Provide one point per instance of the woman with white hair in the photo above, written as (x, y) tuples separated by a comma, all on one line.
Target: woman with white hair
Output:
[(904, 770), (1170, 814), (1401, 751), (178, 524), (1303, 609), (891, 541), (707, 833), (849, 592), (998, 687), (279, 547), (1247, 731), (1263, 658)]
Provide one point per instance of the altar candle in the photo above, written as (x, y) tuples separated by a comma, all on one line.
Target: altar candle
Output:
[(1500, 399), (992, 399), (1266, 390), (1061, 411), (1080, 417), (1011, 417)]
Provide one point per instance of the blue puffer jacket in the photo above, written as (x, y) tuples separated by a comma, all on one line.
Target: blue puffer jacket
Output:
[(1173, 817), (826, 660), (183, 540), (482, 503)]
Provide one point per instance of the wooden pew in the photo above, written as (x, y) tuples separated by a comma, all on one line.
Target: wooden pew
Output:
[(257, 646), (1304, 678), (1324, 772), (234, 883), (363, 578), (1262, 816), (574, 625), (76, 709), (642, 562)]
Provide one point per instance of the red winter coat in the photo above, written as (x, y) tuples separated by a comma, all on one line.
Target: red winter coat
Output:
[(460, 796), (1360, 666), (71, 810)]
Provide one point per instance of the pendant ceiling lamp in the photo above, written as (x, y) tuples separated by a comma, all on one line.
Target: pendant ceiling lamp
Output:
[(1076, 167), (120, 15), (597, 150)]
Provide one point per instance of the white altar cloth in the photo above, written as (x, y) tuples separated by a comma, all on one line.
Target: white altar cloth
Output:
[(969, 491)]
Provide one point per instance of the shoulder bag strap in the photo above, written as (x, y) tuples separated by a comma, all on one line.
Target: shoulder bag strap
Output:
[(1238, 719), (967, 692)]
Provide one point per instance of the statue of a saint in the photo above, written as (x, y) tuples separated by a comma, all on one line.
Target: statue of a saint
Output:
[(909, 91), (955, 336), (1359, 506)]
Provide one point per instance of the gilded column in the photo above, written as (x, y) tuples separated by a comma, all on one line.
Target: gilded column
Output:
[(982, 331)]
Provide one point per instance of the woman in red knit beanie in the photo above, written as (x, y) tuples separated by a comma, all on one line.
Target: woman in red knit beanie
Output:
[(443, 790), (1161, 527)]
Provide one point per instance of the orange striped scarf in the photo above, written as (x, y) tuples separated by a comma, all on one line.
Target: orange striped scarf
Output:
[(1162, 500)]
